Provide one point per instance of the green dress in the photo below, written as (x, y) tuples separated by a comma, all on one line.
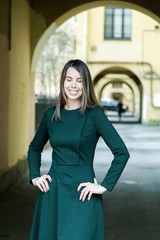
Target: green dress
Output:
[(59, 214)]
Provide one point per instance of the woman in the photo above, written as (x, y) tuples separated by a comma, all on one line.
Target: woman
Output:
[(69, 205)]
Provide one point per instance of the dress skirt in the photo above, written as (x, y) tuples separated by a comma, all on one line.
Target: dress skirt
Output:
[(60, 215)]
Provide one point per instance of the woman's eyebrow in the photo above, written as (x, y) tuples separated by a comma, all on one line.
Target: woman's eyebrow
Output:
[(68, 77), (71, 77)]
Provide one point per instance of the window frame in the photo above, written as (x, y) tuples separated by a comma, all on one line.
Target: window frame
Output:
[(112, 27)]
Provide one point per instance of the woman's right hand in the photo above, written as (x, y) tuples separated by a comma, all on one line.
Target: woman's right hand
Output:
[(42, 183)]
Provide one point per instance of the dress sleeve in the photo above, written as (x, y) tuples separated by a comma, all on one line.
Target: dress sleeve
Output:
[(36, 147), (106, 130)]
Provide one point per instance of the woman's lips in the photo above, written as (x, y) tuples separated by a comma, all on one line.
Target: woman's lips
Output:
[(73, 92)]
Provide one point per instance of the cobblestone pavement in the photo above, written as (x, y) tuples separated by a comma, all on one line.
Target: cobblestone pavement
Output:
[(131, 210)]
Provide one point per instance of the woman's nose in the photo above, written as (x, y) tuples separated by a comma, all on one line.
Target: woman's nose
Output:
[(73, 83)]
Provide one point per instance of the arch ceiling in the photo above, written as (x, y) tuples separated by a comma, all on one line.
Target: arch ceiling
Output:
[(117, 81), (52, 9), (49, 14), (121, 70), (118, 70)]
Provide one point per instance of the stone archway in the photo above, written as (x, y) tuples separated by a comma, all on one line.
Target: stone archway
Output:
[(120, 81), (51, 20), (129, 73), (54, 22)]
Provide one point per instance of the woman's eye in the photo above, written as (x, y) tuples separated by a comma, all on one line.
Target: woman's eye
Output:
[(79, 81), (68, 80)]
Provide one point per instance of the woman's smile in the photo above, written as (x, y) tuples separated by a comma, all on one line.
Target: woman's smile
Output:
[(73, 92)]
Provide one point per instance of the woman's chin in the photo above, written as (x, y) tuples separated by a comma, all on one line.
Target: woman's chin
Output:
[(73, 97)]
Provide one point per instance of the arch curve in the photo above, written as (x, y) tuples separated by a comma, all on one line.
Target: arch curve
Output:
[(83, 7), (124, 71), (120, 81)]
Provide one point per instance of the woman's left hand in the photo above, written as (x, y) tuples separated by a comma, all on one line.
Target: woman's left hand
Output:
[(89, 189)]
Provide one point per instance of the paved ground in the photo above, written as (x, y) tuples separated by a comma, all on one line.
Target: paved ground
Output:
[(126, 117), (131, 211)]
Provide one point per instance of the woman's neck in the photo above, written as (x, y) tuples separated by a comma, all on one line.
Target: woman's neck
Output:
[(72, 105)]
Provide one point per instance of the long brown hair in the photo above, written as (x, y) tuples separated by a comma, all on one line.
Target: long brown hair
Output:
[(88, 98)]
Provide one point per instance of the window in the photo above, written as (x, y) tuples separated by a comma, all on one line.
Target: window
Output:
[(117, 23), (116, 85)]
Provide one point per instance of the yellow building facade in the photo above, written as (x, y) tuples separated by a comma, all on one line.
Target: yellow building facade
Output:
[(131, 62)]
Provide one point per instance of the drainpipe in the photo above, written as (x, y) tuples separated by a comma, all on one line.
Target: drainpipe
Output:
[(137, 63)]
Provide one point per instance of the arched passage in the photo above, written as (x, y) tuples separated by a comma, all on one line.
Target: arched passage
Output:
[(119, 70), (54, 21), (120, 81)]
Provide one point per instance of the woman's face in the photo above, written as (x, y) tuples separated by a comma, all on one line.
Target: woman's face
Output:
[(73, 86)]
